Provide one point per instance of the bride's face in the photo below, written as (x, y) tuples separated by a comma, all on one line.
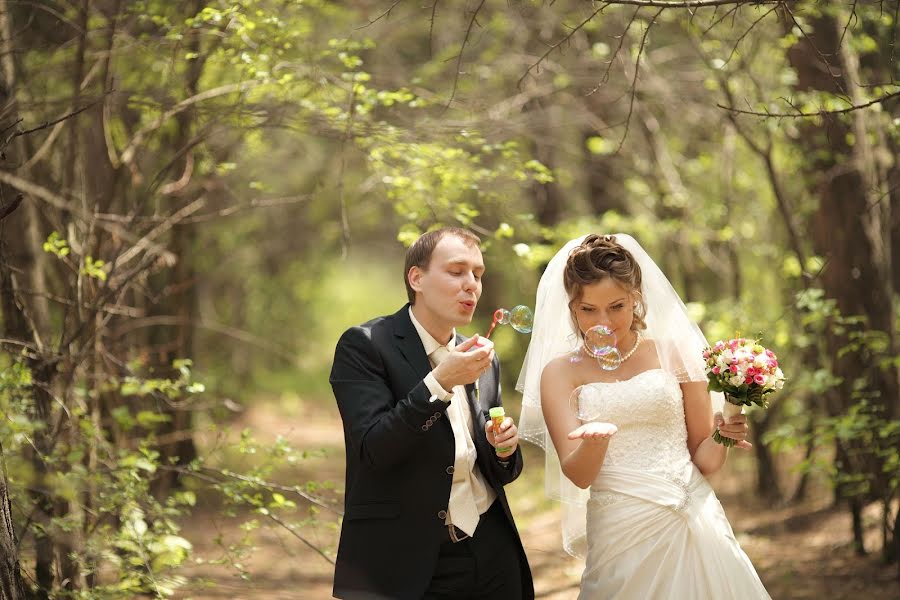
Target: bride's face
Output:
[(607, 303)]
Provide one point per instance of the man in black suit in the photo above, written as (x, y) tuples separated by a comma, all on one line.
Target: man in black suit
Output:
[(425, 514)]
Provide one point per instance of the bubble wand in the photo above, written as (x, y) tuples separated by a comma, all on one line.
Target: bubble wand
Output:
[(520, 317), (522, 320)]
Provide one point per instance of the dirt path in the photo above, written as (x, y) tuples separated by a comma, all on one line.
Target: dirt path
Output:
[(801, 552)]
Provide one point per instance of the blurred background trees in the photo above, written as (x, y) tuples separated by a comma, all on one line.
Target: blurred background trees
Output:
[(199, 196)]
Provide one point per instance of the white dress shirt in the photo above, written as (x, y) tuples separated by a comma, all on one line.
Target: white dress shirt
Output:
[(468, 481)]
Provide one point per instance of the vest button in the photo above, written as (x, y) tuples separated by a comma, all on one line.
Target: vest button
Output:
[(442, 514), (450, 470)]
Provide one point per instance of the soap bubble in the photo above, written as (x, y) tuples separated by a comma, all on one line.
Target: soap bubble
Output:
[(600, 341), (521, 318)]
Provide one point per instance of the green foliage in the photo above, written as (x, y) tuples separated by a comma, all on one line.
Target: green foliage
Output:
[(133, 542), (94, 268), (868, 463), (431, 183), (56, 245), (867, 435), (137, 386)]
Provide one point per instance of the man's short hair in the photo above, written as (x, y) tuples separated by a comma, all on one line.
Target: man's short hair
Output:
[(419, 254)]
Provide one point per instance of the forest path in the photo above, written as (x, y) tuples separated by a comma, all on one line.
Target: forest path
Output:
[(801, 552)]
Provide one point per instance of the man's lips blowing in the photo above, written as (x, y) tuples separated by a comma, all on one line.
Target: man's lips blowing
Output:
[(468, 305)]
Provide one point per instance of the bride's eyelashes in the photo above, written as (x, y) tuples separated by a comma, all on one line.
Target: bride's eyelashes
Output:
[(590, 309)]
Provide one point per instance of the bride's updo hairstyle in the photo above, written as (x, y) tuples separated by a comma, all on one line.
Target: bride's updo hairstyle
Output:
[(598, 258)]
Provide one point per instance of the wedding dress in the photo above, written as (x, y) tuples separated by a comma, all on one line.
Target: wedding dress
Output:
[(655, 529)]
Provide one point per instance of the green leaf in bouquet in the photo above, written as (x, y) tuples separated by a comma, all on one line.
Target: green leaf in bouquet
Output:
[(755, 395), (733, 397), (714, 384)]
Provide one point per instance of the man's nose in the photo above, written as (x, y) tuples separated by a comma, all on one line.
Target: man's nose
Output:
[(470, 283)]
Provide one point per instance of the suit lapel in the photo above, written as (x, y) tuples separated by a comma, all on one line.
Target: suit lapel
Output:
[(408, 342), (482, 397)]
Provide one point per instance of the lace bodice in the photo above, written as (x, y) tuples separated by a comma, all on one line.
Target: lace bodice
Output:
[(649, 411)]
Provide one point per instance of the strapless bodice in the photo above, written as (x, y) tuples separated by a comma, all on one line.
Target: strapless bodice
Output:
[(648, 410)]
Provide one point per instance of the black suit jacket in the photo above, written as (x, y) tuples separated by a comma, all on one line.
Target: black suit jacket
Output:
[(399, 447)]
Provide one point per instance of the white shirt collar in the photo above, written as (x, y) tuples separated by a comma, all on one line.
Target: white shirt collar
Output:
[(428, 340)]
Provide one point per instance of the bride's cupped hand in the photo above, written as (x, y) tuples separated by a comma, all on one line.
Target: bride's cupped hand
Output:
[(594, 432), (736, 429)]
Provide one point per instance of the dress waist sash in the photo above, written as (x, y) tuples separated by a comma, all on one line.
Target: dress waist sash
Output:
[(672, 493)]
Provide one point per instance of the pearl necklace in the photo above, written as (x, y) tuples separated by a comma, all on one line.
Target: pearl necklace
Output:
[(637, 342)]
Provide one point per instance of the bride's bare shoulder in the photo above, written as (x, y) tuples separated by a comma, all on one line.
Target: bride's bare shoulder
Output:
[(559, 371), (559, 365)]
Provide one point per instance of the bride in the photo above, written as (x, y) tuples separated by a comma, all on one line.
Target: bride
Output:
[(627, 429)]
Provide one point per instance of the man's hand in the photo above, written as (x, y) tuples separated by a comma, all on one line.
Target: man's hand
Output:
[(735, 429), (465, 363), (507, 438)]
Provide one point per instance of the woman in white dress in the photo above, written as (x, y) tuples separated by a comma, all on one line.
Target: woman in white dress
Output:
[(627, 435)]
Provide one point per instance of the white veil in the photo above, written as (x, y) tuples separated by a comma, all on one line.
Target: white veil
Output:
[(679, 343)]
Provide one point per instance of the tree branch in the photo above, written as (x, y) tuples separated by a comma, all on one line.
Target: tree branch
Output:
[(381, 16), (615, 54), (461, 50), (550, 50), (637, 65), (128, 154), (232, 332), (47, 124), (431, 29), (663, 4), (746, 33), (64, 204), (12, 206), (820, 113)]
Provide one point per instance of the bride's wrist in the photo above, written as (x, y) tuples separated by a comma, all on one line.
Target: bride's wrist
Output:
[(711, 442)]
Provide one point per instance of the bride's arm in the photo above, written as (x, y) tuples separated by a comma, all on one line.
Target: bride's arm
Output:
[(581, 447), (705, 452)]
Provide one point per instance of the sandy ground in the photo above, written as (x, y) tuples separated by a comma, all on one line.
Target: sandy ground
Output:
[(800, 552)]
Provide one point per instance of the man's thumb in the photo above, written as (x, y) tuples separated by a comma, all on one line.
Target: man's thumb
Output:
[(466, 345)]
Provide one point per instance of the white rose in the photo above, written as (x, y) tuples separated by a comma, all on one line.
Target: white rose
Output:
[(779, 378)]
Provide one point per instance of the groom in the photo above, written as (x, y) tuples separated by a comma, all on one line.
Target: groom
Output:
[(425, 514)]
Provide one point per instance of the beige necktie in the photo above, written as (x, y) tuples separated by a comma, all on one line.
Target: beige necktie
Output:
[(462, 507)]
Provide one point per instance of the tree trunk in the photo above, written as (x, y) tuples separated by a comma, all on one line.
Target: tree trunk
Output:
[(803, 484), (181, 293), (851, 232), (10, 577), (767, 485)]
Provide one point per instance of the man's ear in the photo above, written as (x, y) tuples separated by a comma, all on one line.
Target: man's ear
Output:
[(414, 276)]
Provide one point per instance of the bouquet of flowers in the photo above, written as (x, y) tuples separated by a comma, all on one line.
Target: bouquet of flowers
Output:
[(745, 372)]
